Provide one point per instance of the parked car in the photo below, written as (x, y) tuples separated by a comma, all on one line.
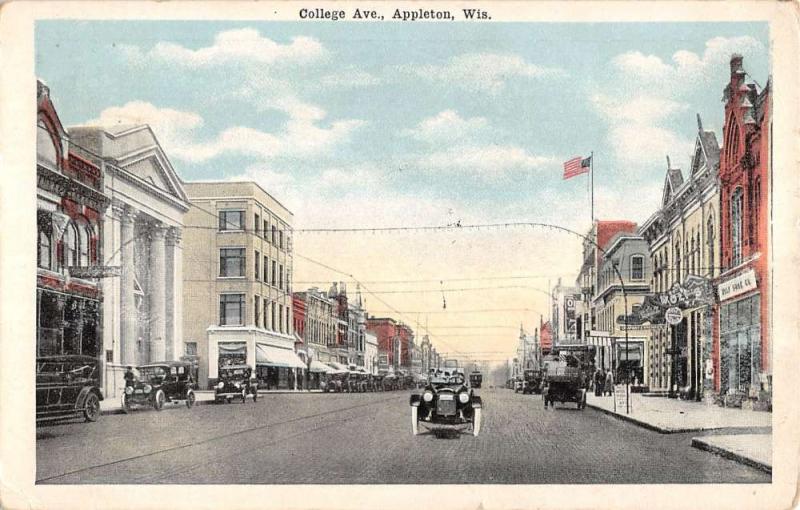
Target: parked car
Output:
[(161, 382), (533, 381), (235, 382), (67, 386), (447, 400)]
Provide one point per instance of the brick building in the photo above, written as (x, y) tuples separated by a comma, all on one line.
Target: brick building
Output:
[(394, 340), (742, 350)]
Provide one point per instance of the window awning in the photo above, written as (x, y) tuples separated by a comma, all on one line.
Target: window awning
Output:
[(277, 357), (319, 367), (337, 368)]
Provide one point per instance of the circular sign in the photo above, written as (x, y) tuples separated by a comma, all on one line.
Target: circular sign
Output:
[(673, 315)]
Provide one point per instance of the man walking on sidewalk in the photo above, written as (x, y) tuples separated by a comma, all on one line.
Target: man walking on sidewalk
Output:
[(609, 384)]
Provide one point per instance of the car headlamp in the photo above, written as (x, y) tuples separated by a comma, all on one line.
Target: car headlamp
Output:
[(463, 397), (427, 396), (129, 390), (147, 388), (221, 385)]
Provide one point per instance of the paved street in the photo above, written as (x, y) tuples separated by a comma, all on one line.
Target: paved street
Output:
[(366, 438)]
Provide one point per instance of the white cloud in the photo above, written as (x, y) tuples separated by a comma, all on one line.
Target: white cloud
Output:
[(483, 72), (446, 127), (686, 69), (489, 161), (177, 132), (245, 45)]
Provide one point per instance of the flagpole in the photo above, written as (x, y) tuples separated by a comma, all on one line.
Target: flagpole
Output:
[(591, 180)]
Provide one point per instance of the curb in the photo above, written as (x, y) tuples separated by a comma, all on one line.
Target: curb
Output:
[(702, 445), (644, 424), (118, 410)]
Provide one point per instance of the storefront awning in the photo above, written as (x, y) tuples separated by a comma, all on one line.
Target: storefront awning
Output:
[(337, 368), (277, 357), (319, 367)]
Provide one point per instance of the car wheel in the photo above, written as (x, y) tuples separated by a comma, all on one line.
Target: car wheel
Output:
[(190, 398), (91, 407), (244, 396), (126, 404), (476, 421), (414, 420), (158, 400)]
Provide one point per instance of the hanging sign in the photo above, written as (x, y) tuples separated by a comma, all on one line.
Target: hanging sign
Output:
[(673, 315), (737, 285)]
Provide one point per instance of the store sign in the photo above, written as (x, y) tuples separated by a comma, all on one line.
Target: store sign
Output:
[(737, 285), (634, 327), (673, 316), (92, 272), (693, 292)]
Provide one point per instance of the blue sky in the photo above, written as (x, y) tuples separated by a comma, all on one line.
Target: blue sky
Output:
[(412, 124)]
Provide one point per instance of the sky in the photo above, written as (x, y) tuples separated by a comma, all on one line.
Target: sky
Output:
[(416, 124)]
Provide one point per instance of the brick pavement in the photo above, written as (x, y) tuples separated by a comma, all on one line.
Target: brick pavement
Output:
[(366, 438)]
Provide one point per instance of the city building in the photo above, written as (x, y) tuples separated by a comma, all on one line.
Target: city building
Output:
[(545, 337), (394, 341), (370, 352), (598, 236), (684, 243), (565, 316), (623, 282), (238, 302), (143, 318), (318, 330), (71, 202), (742, 350)]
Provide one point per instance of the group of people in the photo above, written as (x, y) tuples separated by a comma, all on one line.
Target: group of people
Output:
[(603, 382)]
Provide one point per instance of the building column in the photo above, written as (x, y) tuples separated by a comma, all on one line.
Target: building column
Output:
[(174, 293), (127, 301), (158, 306)]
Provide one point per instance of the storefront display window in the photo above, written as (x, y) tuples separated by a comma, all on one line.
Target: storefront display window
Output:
[(740, 342)]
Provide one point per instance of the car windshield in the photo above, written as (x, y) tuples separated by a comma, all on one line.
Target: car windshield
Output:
[(152, 374)]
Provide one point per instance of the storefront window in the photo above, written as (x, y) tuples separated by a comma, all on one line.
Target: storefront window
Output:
[(44, 250), (740, 343), (50, 324), (232, 353)]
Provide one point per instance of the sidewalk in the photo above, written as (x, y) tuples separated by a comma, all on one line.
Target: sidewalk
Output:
[(202, 397), (754, 450), (668, 415)]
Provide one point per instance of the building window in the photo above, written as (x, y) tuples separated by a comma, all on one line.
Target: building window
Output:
[(231, 262), (740, 344), (274, 234), (190, 348), (280, 318), (754, 209), (736, 227), (257, 274), (257, 311), (637, 267), (256, 223), (272, 316), (266, 228), (231, 310), (710, 241), (280, 277), (83, 245), (44, 255), (274, 272), (280, 239), (678, 261), (70, 246), (231, 220), (266, 269), (265, 312)]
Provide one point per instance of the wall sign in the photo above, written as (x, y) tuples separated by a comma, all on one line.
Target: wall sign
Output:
[(737, 285)]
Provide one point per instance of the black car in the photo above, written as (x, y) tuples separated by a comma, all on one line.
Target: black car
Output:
[(161, 382), (447, 400), (67, 386), (235, 382), (532, 381)]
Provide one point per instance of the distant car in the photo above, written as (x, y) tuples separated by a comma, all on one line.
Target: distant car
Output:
[(235, 382), (475, 379), (447, 400), (66, 386), (518, 385), (533, 381), (159, 383)]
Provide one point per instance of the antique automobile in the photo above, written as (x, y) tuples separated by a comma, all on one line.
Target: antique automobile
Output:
[(518, 383), (337, 381), (67, 386), (446, 401), (532, 381), (475, 379), (235, 382), (159, 383), (567, 373)]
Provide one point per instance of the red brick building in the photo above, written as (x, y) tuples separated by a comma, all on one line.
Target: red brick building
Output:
[(742, 351), (394, 340), (70, 206)]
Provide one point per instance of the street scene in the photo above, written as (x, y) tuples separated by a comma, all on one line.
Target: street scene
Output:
[(269, 253)]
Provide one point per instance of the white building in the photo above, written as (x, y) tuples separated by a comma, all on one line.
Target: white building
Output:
[(142, 316), (370, 352)]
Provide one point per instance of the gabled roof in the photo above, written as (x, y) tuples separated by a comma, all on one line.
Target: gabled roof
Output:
[(706, 150), (672, 181)]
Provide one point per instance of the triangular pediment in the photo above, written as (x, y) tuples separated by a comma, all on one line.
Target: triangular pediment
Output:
[(699, 160), (151, 171)]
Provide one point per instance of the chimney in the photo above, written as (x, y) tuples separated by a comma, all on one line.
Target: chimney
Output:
[(736, 64)]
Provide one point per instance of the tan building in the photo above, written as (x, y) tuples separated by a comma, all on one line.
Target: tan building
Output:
[(237, 261), (684, 240)]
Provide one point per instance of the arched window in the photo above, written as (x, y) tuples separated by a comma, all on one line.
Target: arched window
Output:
[(677, 259), (754, 210), (691, 257), (710, 246), (736, 227), (44, 256), (83, 245), (70, 245)]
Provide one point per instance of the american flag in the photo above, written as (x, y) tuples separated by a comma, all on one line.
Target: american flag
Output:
[(577, 166)]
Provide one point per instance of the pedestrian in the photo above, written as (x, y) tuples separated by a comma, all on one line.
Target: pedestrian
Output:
[(129, 377), (609, 382), (599, 379)]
